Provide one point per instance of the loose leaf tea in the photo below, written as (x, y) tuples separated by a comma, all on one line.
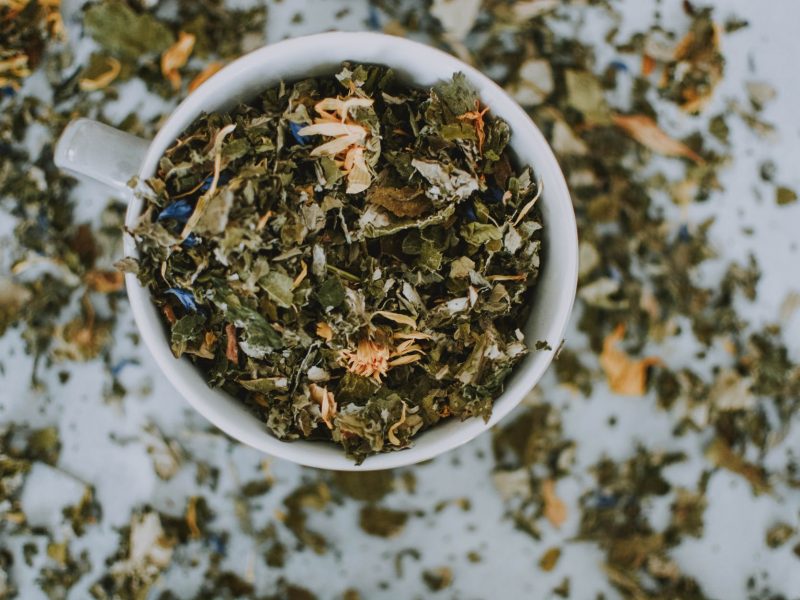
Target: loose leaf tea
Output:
[(348, 255), (670, 415)]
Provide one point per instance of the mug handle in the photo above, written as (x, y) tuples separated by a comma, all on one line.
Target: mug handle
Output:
[(100, 152)]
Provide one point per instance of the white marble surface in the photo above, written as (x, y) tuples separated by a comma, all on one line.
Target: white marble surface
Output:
[(732, 548)]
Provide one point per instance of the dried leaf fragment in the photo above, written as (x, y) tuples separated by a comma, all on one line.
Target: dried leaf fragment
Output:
[(550, 559), (645, 131), (625, 375), (456, 16), (191, 518), (401, 202), (202, 203), (722, 455)]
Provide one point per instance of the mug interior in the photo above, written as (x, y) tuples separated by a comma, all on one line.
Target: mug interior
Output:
[(420, 65)]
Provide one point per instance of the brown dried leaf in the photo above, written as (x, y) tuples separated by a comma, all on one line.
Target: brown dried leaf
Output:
[(550, 559), (191, 519), (722, 455), (645, 131), (625, 375), (402, 202)]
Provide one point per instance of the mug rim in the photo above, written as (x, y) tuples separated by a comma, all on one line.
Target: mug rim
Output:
[(188, 380)]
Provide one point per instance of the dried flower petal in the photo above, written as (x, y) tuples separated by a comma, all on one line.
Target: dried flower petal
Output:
[(176, 57), (555, 510), (645, 131), (326, 402), (358, 175), (205, 75), (300, 276), (324, 331), (625, 375), (370, 359), (390, 434), (477, 117), (342, 106), (104, 79), (397, 318), (232, 346), (103, 281)]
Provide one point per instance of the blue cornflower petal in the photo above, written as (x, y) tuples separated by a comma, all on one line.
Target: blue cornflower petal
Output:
[(604, 501), (493, 194), (468, 209), (185, 298), (42, 222), (217, 543), (223, 179), (117, 368), (683, 233), (373, 20), (7, 91), (191, 241), (206, 183), (619, 65), (180, 210), (301, 139)]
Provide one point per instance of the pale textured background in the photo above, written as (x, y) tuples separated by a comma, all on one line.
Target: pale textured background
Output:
[(733, 546)]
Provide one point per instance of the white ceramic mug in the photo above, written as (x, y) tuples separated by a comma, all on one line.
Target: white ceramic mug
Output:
[(95, 150)]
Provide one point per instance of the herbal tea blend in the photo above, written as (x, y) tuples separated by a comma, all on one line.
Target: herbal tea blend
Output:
[(348, 255)]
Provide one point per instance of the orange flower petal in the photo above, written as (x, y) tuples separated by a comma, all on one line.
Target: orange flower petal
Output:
[(204, 75), (645, 131), (324, 331), (105, 282), (555, 510), (232, 347), (176, 57), (104, 79), (625, 375)]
